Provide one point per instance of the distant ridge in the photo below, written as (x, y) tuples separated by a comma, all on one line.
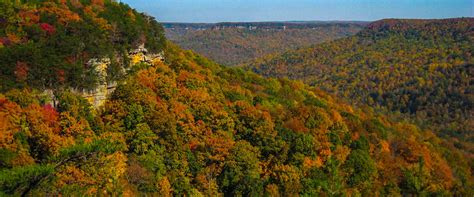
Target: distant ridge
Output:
[(264, 24), (236, 43), (406, 24)]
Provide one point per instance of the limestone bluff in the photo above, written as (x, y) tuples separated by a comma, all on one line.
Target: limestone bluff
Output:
[(104, 88)]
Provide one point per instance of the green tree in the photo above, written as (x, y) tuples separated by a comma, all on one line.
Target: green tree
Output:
[(361, 168), (241, 172)]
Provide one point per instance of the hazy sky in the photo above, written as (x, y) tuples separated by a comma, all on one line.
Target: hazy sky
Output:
[(286, 10)]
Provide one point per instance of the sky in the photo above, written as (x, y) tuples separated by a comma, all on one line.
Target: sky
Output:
[(210, 11)]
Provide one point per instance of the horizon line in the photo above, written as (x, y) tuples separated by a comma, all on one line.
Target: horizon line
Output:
[(302, 21)]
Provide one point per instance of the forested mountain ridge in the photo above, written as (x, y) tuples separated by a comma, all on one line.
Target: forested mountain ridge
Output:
[(188, 126), (419, 67), (235, 43)]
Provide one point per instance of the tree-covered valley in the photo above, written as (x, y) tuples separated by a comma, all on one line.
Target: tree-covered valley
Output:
[(232, 44), (179, 124)]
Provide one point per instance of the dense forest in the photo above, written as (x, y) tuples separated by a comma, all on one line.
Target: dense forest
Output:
[(45, 44), (187, 126), (235, 43), (423, 68)]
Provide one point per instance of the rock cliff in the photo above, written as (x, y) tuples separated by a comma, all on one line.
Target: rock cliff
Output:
[(98, 96)]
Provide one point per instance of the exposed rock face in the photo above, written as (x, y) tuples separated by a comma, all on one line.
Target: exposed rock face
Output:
[(141, 55), (98, 96)]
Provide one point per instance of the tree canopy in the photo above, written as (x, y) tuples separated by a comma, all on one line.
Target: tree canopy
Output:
[(420, 68), (187, 126)]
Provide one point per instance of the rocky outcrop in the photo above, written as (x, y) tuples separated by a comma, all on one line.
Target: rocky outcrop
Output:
[(105, 88), (98, 96), (141, 55)]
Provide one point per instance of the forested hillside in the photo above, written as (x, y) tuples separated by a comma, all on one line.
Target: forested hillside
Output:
[(423, 68), (45, 44), (187, 126), (234, 43)]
